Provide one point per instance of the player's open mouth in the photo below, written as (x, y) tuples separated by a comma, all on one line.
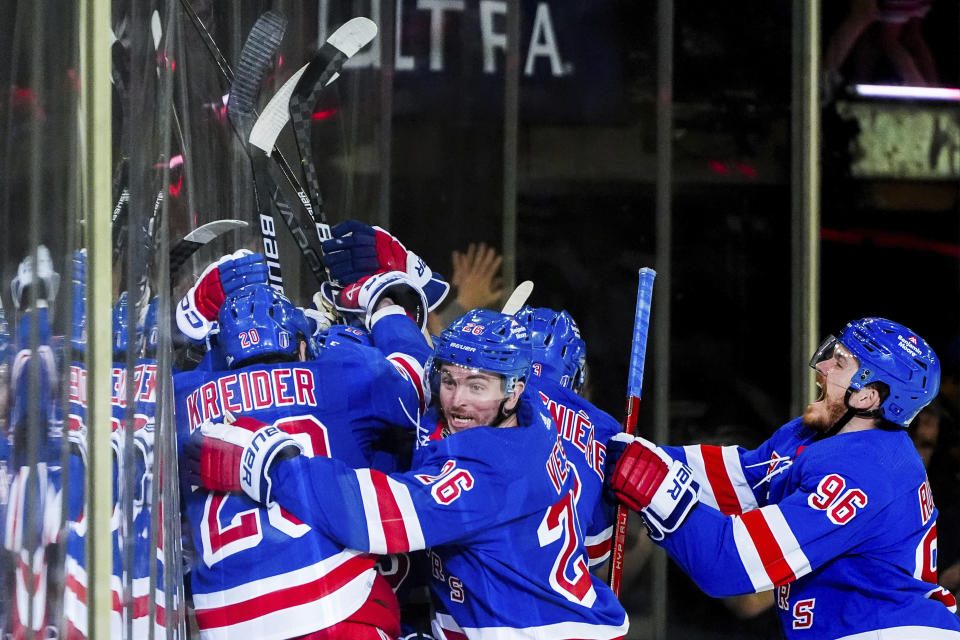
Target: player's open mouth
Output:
[(457, 420), (821, 387)]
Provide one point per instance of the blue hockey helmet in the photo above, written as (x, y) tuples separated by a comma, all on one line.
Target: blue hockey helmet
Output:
[(890, 353), (486, 340), (559, 353), (258, 323), (338, 334)]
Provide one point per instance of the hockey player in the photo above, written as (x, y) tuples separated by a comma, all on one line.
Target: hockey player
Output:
[(559, 368), (493, 500), (261, 572), (834, 511), (32, 519)]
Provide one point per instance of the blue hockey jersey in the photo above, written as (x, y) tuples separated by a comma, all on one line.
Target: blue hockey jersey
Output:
[(75, 604), (843, 528), (495, 507), (264, 573), (584, 430)]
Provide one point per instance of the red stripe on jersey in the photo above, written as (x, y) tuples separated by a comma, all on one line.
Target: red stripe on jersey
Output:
[(72, 633), (394, 528), (79, 589), (414, 378), (771, 555), (285, 598), (599, 549), (454, 635), (727, 500)]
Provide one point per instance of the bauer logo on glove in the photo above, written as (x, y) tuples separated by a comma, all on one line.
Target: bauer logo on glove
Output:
[(647, 480)]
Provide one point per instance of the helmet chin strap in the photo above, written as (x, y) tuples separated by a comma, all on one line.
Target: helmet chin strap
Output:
[(850, 413), (502, 413)]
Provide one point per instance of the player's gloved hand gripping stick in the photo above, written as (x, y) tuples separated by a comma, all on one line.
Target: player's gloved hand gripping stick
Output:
[(647, 480)]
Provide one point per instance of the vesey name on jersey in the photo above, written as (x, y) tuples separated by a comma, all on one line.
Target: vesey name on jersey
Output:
[(251, 390), (576, 428)]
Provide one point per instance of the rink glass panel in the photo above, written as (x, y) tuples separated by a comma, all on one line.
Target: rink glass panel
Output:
[(413, 139)]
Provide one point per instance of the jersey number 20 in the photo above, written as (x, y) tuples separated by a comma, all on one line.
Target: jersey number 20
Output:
[(245, 529)]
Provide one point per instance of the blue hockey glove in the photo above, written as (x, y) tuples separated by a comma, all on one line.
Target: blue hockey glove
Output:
[(647, 480), (198, 309), (237, 456), (358, 250)]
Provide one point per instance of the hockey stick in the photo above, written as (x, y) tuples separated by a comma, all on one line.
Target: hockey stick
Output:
[(198, 238), (256, 56), (275, 115), (323, 70), (226, 73), (518, 298), (638, 349), (255, 60)]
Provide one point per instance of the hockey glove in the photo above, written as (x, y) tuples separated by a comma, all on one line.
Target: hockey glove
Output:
[(43, 277), (647, 480), (198, 309), (363, 297), (237, 456), (321, 314), (358, 250)]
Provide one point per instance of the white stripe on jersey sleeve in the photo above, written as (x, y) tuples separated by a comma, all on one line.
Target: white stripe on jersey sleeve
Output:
[(906, 633), (789, 545), (750, 557), (734, 467), (699, 468), (371, 511), (410, 520), (411, 369)]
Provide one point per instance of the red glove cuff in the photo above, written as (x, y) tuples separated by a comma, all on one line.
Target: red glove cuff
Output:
[(391, 255), (637, 476), (220, 468), (208, 295)]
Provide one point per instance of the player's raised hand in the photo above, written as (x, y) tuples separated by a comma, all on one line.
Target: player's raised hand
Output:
[(647, 480), (236, 456), (476, 274), (358, 250), (198, 309), (369, 295)]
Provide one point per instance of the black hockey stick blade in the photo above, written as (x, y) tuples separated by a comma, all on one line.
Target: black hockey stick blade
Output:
[(329, 59), (256, 58), (322, 70), (197, 238)]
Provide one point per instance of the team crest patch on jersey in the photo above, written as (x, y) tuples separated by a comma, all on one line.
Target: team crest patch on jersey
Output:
[(776, 465)]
